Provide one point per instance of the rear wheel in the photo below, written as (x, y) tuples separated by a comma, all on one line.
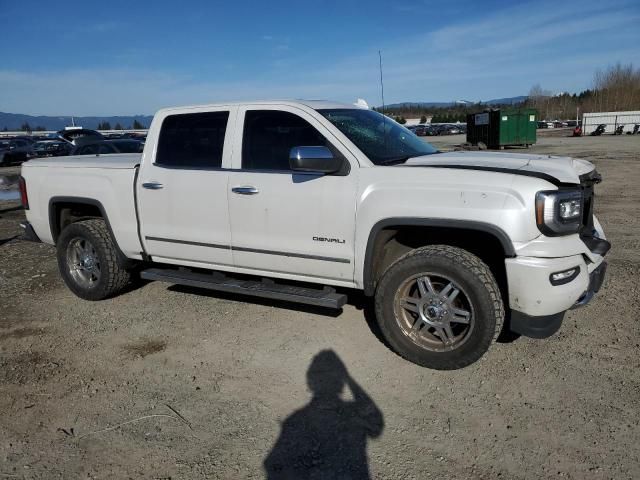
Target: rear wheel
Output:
[(440, 307), (87, 261)]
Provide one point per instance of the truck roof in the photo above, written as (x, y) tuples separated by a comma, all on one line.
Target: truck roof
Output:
[(314, 104)]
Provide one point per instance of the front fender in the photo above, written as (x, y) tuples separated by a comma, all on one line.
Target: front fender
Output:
[(500, 204)]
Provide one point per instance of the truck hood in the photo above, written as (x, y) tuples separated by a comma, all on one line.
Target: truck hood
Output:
[(550, 167), (113, 160)]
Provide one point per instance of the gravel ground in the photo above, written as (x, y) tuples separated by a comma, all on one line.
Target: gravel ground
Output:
[(167, 382)]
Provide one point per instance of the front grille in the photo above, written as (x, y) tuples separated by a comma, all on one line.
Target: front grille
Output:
[(587, 183), (588, 233), (587, 214)]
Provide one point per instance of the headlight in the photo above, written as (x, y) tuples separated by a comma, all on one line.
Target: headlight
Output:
[(559, 212)]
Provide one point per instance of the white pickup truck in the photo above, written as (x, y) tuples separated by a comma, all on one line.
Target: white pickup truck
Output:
[(289, 199)]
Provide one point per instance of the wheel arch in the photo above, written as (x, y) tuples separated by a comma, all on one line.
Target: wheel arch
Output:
[(385, 231), (91, 208)]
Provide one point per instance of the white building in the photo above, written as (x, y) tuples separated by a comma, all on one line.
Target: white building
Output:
[(416, 121), (612, 120)]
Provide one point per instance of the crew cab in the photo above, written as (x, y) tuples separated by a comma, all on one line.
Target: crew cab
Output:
[(302, 200)]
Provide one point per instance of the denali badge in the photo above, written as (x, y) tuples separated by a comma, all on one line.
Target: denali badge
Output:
[(330, 240)]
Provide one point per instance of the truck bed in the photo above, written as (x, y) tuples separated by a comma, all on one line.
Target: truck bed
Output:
[(102, 181)]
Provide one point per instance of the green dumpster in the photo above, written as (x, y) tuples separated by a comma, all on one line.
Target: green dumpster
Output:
[(501, 128)]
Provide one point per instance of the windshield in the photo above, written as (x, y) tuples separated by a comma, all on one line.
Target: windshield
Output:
[(383, 140)]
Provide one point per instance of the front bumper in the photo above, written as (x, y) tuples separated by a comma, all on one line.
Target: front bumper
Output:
[(596, 279), (543, 326), (531, 291)]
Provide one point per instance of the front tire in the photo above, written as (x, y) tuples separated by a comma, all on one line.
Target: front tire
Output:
[(439, 307), (87, 260)]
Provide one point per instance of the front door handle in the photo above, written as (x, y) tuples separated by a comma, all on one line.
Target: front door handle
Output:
[(246, 190), (152, 185)]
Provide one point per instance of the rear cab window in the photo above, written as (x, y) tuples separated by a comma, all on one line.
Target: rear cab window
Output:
[(192, 140)]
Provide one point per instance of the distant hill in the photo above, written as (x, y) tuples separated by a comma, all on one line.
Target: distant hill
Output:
[(14, 121), (507, 101), (418, 105)]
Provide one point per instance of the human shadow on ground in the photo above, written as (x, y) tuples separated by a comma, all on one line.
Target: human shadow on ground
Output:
[(327, 438)]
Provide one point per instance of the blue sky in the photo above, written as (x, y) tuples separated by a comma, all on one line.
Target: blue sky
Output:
[(114, 57)]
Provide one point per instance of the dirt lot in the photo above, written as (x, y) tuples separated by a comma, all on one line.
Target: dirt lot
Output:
[(197, 385)]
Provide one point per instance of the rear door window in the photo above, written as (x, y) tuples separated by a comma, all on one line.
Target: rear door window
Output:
[(192, 140)]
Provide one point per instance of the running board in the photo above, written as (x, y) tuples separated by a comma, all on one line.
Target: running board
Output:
[(266, 288)]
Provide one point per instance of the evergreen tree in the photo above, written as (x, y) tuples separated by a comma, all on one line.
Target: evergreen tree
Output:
[(117, 126), (138, 126)]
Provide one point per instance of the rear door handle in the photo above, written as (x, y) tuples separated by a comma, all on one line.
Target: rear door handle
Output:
[(246, 190), (152, 185)]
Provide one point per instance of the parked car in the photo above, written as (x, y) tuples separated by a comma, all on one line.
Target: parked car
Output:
[(108, 146), (14, 151), (72, 134), (430, 130), (439, 129), (50, 148), (420, 130), (333, 195), (25, 138), (447, 130)]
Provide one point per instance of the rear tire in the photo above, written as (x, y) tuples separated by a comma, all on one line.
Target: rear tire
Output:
[(439, 307), (87, 260)]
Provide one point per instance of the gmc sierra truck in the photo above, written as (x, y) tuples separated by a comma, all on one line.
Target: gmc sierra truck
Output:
[(291, 199)]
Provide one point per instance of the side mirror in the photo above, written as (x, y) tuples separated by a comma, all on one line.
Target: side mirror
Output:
[(314, 159)]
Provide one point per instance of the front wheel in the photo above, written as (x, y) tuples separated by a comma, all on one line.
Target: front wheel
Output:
[(87, 260), (439, 307)]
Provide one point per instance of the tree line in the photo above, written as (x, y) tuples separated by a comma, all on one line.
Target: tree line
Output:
[(107, 126), (25, 127), (616, 88)]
